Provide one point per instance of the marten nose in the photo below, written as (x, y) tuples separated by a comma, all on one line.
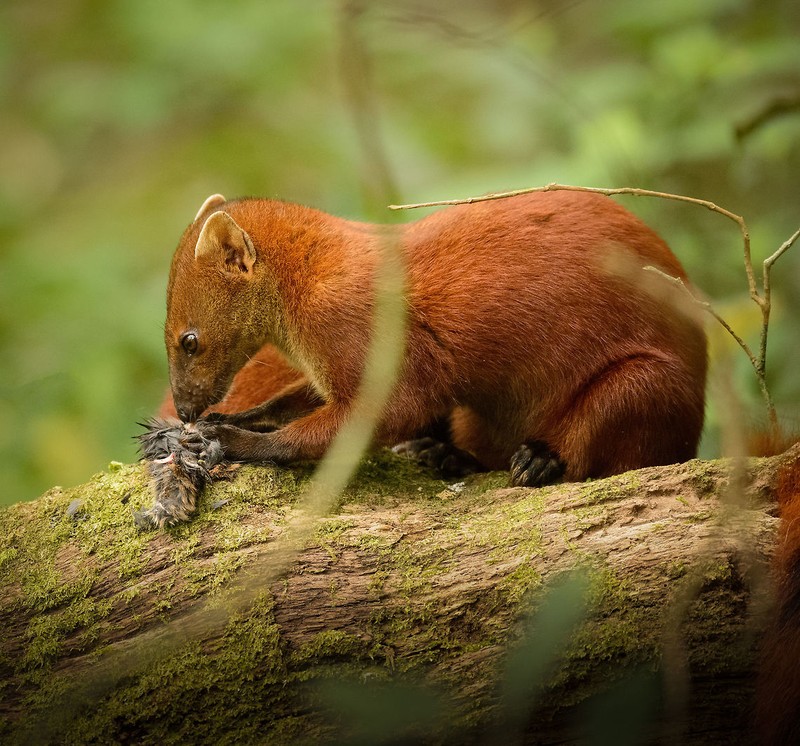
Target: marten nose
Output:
[(190, 400), (187, 414), (187, 411)]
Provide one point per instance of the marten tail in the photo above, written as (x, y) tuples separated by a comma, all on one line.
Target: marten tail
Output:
[(778, 686)]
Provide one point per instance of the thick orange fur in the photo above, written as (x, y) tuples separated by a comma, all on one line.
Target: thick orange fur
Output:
[(519, 329)]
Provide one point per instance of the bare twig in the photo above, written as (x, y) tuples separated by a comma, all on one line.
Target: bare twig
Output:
[(762, 299), (706, 306), (767, 306), (754, 361)]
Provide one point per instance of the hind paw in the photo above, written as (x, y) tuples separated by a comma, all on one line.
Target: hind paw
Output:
[(448, 460), (535, 465)]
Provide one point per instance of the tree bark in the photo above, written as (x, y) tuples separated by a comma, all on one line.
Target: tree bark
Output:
[(417, 611)]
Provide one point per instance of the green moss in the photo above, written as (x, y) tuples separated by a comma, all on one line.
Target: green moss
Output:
[(197, 689), (705, 475), (590, 516), (211, 575), (101, 534), (7, 554), (52, 557), (617, 631), (480, 483), (676, 569), (519, 583), (383, 474), (700, 516), (47, 633), (511, 525), (326, 645)]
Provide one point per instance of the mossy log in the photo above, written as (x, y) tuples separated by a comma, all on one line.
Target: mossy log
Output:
[(416, 610)]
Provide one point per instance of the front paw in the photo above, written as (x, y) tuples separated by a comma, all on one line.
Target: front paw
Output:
[(250, 419), (535, 465), (218, 431), (239, 444)]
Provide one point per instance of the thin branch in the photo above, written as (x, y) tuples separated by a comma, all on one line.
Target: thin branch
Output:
[(767, 290), (769, 261), (706, 306), (756, 362)]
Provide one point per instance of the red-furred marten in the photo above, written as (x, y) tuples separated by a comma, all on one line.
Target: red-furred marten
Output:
[(530, 325)]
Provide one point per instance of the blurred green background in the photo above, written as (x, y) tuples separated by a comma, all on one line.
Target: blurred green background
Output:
[(119, 118)]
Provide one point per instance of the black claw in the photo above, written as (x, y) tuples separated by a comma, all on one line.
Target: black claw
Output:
[(535, 465)]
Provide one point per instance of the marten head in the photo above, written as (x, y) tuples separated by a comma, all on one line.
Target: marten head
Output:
[(211, 327)]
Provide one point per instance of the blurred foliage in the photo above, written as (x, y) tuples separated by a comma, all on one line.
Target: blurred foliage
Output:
[(120, 117)]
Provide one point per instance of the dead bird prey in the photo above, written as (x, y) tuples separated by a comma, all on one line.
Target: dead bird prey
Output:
[(180, 461)]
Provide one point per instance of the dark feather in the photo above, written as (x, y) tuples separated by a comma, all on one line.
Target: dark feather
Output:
[(180, 460)]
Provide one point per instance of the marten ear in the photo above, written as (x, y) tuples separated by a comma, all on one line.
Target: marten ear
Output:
[(222, 240), (215, 200)]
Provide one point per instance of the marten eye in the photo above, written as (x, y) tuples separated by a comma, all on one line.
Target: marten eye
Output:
[(189, 343)]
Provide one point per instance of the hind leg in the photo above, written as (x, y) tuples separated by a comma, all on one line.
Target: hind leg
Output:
[(644, 410), (477, 434)]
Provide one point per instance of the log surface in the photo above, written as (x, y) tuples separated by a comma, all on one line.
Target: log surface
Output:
[(404, 615)]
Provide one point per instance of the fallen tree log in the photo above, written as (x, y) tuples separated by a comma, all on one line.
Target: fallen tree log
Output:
[(416, 610)]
